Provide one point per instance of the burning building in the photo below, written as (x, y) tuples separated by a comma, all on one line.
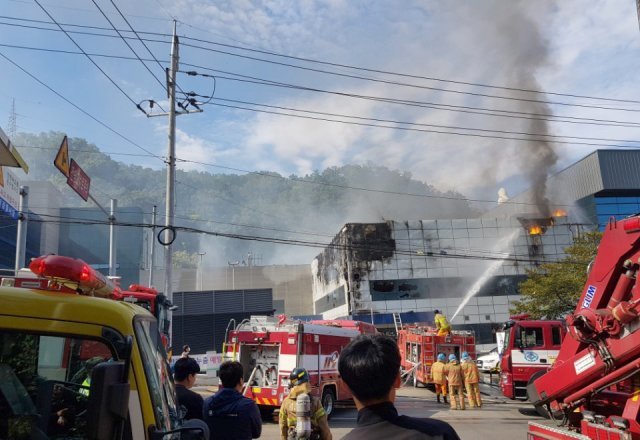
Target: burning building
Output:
[(371, 271)]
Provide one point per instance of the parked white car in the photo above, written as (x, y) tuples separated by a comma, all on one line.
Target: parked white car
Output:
[(489, 361)]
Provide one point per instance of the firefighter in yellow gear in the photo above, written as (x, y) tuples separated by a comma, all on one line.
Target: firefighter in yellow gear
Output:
[(299, 384), (471, 380), (438, 377), (456, 382), (443, 326)]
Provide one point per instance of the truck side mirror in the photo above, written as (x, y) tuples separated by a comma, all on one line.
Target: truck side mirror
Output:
[(194, 429), (108, 400)]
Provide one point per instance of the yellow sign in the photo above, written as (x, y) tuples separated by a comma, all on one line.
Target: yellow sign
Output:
[(62, 158)]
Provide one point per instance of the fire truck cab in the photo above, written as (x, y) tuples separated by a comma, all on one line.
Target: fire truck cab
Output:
[(419, 347), (270, 348), (77, 365), (530, 348)]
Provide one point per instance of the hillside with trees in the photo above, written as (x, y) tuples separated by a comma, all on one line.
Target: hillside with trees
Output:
[(311, 207)]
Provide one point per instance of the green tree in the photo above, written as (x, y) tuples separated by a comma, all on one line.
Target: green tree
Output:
[(553, 289)]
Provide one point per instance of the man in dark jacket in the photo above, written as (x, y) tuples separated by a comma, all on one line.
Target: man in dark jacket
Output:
[(228, 413), (370, 366), (185, 371)]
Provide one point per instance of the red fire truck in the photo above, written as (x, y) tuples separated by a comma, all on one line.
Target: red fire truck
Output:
[(70, 275), (269, 348), (593, 386), (530, 346), (419, 346)]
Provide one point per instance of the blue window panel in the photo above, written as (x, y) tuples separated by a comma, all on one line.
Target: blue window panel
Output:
[(607, 209)]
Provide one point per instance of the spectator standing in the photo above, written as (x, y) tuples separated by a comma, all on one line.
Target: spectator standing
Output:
[(185, 351), (438, 377), (370, 366), (184, 373), (299, 383), (229, 414), (455, 381), (471, 380)]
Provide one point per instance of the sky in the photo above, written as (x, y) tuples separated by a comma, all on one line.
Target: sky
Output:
[(421, 61)]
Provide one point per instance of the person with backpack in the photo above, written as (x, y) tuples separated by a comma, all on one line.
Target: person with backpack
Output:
[(312, 422)]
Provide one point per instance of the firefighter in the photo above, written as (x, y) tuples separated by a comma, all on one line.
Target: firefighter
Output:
[(443, 326), (438, 377), (471, 380), (456, 382), (290, 426)]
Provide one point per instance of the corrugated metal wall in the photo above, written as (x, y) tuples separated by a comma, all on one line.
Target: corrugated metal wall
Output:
[(202, 317)]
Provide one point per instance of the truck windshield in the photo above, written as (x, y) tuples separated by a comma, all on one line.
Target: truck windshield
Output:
[(507, 340), (159, 380)]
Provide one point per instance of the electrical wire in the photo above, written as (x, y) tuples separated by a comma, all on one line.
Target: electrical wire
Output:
[(485, 111), (360, 68), (453, 127), (482, 111), (88, 57), (332, 246), (422, 130), (80, 108), (127, 43)]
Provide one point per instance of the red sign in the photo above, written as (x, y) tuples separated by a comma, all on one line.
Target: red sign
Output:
[(78, 180)]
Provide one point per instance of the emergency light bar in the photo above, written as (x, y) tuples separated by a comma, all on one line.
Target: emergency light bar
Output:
[(74, 274)]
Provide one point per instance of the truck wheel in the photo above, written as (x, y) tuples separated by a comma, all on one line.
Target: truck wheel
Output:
[(328, 401)]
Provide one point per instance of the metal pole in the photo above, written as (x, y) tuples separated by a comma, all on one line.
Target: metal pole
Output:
[(21, 237), (112, 238), (171, 170), (202, 254), (153, 244)]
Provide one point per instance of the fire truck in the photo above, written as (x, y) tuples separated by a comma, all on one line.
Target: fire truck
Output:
[(269, 348), (594, 384), (419, 347), (69, 275), (530, 346), (76, 364)]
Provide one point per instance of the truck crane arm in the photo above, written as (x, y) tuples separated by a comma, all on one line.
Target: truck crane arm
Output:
[(599, 362)]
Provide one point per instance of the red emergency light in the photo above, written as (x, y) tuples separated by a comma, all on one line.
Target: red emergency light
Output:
[(74, 274), (632, 224)]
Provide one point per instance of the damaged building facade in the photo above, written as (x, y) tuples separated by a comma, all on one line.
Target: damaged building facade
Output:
[(371, 271)]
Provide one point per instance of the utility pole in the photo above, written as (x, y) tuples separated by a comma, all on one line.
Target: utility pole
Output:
[(21, 237), (171, 173), (153, 244), (169, 231), (112, 238)]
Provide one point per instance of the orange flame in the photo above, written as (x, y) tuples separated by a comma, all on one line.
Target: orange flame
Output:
[(535, 230), (559, 213)]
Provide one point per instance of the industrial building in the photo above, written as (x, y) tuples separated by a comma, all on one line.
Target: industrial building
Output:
[(371, 271)]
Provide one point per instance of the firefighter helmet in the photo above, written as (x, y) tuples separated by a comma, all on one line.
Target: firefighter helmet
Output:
[(452, 357), (442, 357), (465, 356), (298, 376)]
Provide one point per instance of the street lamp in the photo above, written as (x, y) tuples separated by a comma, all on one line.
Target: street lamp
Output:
[(233, 265), (202, 254)]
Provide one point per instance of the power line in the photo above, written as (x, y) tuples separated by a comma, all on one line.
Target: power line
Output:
[(88, 57), (454, 127), (360, 68), (442, 254), (127, 43), (482, 111), (363, 124), (80, 108), (485, 111)]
